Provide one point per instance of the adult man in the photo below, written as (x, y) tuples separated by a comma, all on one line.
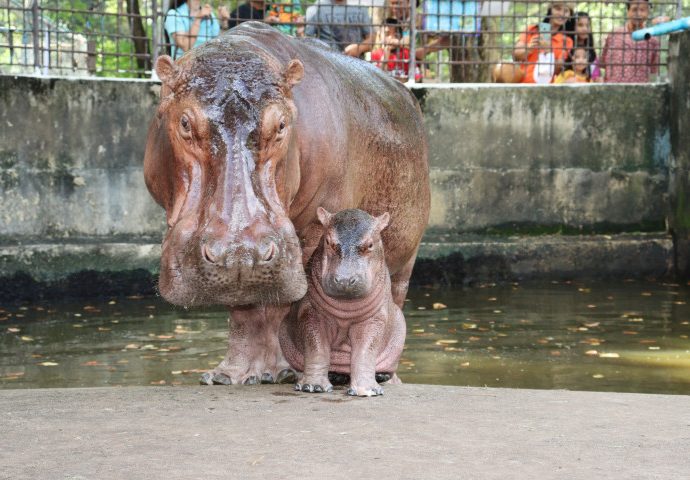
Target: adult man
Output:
[(628, 61), (252, 10), (345, 27)]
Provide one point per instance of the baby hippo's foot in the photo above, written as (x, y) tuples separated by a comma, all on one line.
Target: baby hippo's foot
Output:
[(365, 390), (314, 384)]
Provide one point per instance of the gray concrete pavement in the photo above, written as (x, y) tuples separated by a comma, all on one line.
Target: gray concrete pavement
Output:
[(412, 432)]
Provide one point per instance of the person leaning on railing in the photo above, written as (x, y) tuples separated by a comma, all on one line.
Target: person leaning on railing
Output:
[(189, 24), (344, 27), (543, 59), (628, 61)]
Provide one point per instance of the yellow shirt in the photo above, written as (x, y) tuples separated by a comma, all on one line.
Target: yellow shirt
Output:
[(568, 74)]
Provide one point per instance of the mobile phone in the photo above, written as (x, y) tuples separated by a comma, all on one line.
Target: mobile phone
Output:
[(545, 32)]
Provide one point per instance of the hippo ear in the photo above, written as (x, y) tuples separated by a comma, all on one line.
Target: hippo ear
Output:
[(165, 69), (293, 73), (382, 221), (324, 216)]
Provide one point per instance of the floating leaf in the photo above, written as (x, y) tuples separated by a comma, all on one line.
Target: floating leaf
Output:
[(592, 353), (418, 330), (165, 337), (421, 308), (14, 330), (446, 342), (48, 364), (92, 363), (439, 306), (646, 294), (630, 332), (591, 324), (176, 372), (465, 364), (26, 338), (597, 375), (132, 346), (609, 355), (469, 326), (654, 348)]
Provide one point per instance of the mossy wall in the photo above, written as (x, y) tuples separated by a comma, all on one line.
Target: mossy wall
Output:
[(503, 158)]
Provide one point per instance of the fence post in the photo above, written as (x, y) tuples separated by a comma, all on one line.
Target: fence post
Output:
[(36, 37), (411, 70), (154, 33)]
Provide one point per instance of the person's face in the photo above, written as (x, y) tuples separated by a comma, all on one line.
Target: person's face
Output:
[(399, 8), (559, 14), (638, 13), (582, 28), (580, 60), (392, 31)]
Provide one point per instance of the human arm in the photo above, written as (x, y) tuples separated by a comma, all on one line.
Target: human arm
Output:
[(224, 17), (526, 44), (311, 17), (357, 49), (184, 40)]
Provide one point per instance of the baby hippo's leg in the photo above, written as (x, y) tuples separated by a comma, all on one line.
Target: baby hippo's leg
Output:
[(365, 339), (317, 356)]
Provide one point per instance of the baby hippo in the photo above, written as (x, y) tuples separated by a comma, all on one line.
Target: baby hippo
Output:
[(347, 322)]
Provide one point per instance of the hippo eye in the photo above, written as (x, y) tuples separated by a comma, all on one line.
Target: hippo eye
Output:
[(281, 127), (185, 126)]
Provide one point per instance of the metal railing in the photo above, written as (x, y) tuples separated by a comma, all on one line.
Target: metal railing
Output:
[(438, 40)]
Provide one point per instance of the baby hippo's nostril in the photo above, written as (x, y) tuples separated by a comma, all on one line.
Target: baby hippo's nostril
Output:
[(352, 281)]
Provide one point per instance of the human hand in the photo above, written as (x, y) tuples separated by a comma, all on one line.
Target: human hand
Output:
[(658, 20), (535, 42), (204, 11), (272, 18), (352, 50), (223, 13)]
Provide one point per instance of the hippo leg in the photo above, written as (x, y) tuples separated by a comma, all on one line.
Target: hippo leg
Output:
[(254, 355), (400, 282), (364, 338), (317, 355)]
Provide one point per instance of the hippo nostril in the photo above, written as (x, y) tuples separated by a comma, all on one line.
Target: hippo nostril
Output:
[(352, 281), (268, 252)]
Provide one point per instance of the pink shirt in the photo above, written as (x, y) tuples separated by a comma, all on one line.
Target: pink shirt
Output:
[(628, 61)]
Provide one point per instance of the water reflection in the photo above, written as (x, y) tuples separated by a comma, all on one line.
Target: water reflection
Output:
[(623, 336)]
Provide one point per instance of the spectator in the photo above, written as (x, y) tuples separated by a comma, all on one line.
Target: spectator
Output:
[(579, 29), (286, 15), (628, 61), (577, 67), (189, 24), (542, 57), (393, 57), (251, 10), (345, 27)]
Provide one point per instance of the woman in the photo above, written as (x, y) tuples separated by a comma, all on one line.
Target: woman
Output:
[(579, 29), (543, 57), (189, 24)]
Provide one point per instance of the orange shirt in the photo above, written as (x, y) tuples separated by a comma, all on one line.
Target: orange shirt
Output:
[(560, 46)]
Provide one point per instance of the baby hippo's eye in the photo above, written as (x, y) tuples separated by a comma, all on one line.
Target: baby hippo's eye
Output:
[(366, 248), (281, 127)]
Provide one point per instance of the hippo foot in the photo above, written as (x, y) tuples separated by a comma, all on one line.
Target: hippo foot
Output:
[(222, 375), (381, 377), (313, 388), (368, 391)]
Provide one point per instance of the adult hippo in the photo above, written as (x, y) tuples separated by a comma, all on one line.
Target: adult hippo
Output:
[(256, 130)]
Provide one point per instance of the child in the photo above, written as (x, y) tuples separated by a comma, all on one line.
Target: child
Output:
[(577, 67), (393, 57), (579, 29)]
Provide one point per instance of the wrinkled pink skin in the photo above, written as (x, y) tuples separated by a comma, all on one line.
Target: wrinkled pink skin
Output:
[(255, 130), (348, 321)]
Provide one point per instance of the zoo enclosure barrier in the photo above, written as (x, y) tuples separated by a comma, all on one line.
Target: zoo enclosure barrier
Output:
[(452, 40)]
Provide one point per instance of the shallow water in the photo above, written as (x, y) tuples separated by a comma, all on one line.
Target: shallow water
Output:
[(615, 336)]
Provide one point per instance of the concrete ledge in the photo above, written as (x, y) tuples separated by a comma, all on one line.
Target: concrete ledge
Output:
[(87, 268), (412, 432)]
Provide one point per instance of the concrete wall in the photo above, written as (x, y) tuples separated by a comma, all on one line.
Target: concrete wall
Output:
[(502, 158), (505, 157)]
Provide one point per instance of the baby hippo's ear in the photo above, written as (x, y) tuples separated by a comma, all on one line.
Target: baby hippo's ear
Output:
[(324, 216), (381, 221)]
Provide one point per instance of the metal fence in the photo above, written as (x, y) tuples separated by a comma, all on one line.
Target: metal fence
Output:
[(438, 40)]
